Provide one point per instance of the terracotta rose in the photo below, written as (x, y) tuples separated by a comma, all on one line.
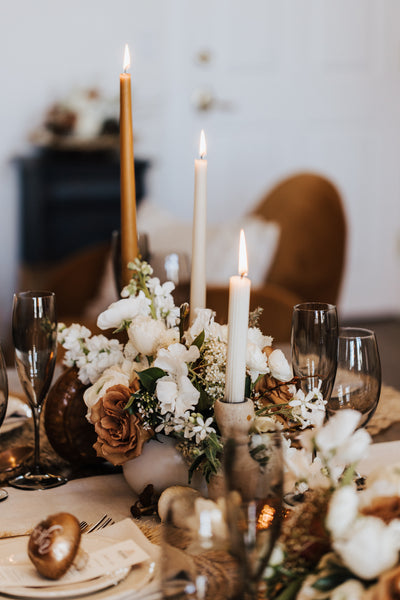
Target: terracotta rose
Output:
[(120, 435)]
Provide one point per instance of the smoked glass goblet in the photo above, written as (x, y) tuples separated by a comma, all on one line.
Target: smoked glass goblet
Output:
[(314, 346), (358, 376), (34, 329)]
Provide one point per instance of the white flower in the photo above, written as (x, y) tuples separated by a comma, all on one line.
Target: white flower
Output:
[(279, 366), (71, 337), (308, 409), (124, 310), (369, 547), (163, 301), (337, 431), (146, 334), (342, 511), (256, 361), (255, 336), (302, 468), (202, 428), (174, 358), (202, 322), (265, 425), (110, 377), (176, 395)]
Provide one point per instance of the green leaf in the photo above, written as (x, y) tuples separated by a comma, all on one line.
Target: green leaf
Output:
[(199, 341), (195, 464), (290, 591), (247, 387), (148, 378), (331, 581)]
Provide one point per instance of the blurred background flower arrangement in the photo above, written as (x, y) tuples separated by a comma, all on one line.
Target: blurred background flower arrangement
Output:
[(159, 374)]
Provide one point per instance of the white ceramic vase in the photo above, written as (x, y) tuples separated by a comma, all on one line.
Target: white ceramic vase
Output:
[(161, 465)]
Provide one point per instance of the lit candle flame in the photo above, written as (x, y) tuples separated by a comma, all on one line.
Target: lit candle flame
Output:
[(203, 145), (266, 517), (243, 265), (127, 59)]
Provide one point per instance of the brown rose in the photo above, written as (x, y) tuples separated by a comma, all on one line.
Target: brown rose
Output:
[(120, 435)]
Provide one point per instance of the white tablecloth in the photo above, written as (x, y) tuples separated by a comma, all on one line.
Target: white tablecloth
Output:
[(88, 499)]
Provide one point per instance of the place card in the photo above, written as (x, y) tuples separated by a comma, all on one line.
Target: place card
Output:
[(101, 562)]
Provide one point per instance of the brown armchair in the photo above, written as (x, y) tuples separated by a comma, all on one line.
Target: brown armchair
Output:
[(309, 260)]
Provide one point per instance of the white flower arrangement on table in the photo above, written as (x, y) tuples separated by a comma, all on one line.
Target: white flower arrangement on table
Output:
[(164, 377), (340, 543)]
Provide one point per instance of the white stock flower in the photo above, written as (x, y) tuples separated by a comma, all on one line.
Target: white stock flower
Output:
[(163, 301), (146, 334), (123, 310), (110, 377), (279, 366), (174, 358), (369, 547), (202, 322), (176, 395), (71, 337)]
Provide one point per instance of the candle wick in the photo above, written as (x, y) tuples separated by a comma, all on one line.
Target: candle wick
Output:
[(203, 156), (243, 275)]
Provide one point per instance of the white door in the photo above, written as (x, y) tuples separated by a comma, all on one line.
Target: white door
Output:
[(290, 85)]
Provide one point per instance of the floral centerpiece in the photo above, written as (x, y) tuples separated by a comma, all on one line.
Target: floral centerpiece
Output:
[(340, 542), (160, 375)]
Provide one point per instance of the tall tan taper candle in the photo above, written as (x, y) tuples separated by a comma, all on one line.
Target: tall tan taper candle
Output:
[(198, 271), (129, 241), (238, 323)]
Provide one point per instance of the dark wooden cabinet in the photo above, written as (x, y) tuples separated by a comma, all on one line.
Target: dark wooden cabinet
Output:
[(69, 201)]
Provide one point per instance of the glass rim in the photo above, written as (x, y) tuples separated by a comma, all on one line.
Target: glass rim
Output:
[(34, 294), (313, 306), (351, 332)]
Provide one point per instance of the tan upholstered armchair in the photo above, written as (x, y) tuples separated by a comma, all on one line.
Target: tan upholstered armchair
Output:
[(309, 260)]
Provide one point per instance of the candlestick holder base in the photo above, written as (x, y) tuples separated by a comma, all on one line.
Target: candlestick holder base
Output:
[(234, 421)]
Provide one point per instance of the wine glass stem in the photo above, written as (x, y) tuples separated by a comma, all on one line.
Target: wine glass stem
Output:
[(36, 410)]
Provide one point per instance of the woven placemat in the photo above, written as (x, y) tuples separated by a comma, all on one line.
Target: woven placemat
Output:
[(218, 567), (388, 411)]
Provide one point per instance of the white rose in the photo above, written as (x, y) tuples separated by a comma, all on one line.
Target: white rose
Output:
[(342, 511), (145, 334), (123, 310), (279, 366), (370, 547), (110, 377)]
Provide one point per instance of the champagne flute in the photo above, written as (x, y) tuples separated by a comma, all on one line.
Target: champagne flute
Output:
[(314, 346), (358, 376), (3, 403), (34, 327)]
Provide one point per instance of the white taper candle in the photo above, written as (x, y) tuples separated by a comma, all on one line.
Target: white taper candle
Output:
[(238, 318), (198, 271)]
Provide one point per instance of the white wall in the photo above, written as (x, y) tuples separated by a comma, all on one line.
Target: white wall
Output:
[(49, 47)]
